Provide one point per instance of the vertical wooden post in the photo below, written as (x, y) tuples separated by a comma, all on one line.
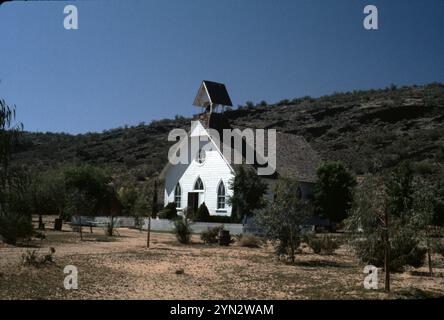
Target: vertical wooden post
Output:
[(386, 251), (149, 232), (429, 251)]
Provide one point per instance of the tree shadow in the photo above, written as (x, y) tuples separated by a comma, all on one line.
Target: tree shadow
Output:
[(322, 264)]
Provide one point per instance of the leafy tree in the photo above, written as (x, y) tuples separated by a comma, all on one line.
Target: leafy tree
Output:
[(423, 216), (48, 190), (383, 235), (334, 190), (16, 216), (249, 104), (15, 208), (88, 191), (169, 212), (282, 218), (438, 211), (248, 193), (128, 197), (92, 182), (400, 191), (9, 132), (182, 230)]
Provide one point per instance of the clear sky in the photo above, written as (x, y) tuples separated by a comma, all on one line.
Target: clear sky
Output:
[(138, 60)]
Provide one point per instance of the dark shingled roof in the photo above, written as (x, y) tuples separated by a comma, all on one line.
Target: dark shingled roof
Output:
[(295, 158), (218, 93)]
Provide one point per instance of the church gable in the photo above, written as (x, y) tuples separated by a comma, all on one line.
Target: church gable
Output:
[(207, 174)]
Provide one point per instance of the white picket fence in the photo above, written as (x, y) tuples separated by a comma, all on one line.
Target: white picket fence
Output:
[(156, 224), (196, 227)]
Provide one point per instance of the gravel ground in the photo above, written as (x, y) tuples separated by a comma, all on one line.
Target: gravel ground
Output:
[(122, 267)]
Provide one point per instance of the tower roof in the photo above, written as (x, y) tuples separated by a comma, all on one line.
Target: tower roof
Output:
[(212, 92)]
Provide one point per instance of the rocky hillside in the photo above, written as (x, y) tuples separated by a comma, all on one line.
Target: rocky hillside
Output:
[(368, 130)]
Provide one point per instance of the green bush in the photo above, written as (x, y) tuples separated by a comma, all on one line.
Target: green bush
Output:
[(404, 250), (249, 240), (211, 235), (220, 219), (169, 212), (15, 226), (202, 214), (182, 230), (438, 247), (323, 245), (32, 258)]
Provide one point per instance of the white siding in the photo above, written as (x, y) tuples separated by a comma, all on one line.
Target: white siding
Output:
[(213, 170)]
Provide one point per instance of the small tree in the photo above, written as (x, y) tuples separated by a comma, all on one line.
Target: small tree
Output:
[(169, 212), (282, 218), (387, 229), (423, 215), (369, 223), (248, 193), (128, 198), (155, 204), (182, 230), (334, 191), (88, 191), (438, 211), (202, 214), (400, 191)]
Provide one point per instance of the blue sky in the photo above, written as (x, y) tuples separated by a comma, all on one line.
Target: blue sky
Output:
[(138, 60)]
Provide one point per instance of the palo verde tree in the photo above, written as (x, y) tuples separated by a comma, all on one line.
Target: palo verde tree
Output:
[(248, 193), (88, 191), (281, 219), (15, 219), (334, 190), (385, 223)]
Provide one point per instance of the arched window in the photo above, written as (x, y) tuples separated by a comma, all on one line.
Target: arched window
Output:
[(178, 195), (221, 196), (198, 185), (299, 193)]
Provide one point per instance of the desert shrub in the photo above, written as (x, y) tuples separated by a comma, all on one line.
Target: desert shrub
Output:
[(39, 235), (220, 219), (202, 214), (281, 219), (211, 235), (182, 230), (29, 258), (15, 226), (404, 250), (438, 247), (423, 167), (169, 212), (109, 228), (249, 240), (32, 258), (323, 245)]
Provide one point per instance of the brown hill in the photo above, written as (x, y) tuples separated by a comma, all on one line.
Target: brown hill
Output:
[(369, 130)]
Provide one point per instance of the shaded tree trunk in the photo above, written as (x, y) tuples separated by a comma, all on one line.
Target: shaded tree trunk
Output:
[(386, 252), (41, 226), (154, 206), (148, 233), (292, 249), (429, 251)]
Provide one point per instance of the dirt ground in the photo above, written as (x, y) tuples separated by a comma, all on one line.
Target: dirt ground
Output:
[(122, 267)]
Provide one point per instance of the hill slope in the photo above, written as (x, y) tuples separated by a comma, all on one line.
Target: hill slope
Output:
[(368, 130)]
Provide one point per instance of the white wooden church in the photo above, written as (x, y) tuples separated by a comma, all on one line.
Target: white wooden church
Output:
[(206, 176)]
